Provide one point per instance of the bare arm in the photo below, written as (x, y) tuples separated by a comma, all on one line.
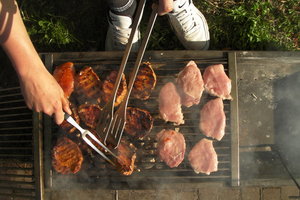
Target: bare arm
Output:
[(40, 90)]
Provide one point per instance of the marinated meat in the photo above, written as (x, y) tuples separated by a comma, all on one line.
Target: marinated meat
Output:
[(88, 86), (213, 119), (170, 104), (171, 147), (108, 87), (89, 114), (145, 82), (66, 126), (66, 156), (64, 74), (216, 82), (203, 157), (139, 122), (126, 153), (190, 84)]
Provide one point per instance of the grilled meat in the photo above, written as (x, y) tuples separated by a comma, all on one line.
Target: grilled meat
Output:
[(170, 104), (145, 82), (203, 157), (171, 147), (108, 87), (126, 153), (213, 119), (88, 86), (64, 74), (66, 126), (66, 156), (216, 82), (190, 84), (139, 122), (89, 114)]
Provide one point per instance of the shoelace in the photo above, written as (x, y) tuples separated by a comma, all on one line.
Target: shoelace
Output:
[(121, 36), (187, 20)]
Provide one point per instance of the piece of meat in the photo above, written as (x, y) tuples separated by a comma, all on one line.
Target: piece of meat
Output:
[(203, 157), (170, 147), (139, 122), (88, 86), (170, 104), (145, 82), (190, 84), (216, 82), (66, 126), (64, 74), (213, 119), (126, 153), (108, 87), (89, 114), (66, 156)]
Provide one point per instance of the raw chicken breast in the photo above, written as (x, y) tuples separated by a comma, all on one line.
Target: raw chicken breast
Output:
[(190, 84), (170, 104), (171, 147), (216, 82), (203, 157), (213, 119)]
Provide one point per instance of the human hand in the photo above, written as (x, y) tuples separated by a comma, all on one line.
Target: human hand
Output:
[(165, 6), (42, 93)]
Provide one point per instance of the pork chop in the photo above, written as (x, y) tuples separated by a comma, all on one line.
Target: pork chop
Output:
[(213, 119), (64, 74), (216, 82), (190, 84), (203, 157), (170, 104), (171, 147)]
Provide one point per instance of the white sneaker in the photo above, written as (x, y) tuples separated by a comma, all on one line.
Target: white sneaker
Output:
[(118, 33), (189, 25)]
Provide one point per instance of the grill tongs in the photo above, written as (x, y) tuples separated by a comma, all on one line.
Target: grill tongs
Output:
[(111, 125), (90, 138)]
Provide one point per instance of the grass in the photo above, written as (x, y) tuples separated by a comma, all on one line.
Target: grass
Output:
[(235, 25)]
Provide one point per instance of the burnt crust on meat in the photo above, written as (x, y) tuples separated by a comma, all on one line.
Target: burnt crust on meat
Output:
[(89, 114), (139, 122), (108, 87), (88, 86), (67, 157), (145, 82)]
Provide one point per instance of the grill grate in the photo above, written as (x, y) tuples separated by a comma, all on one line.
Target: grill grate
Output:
[(16, 147), (166, 65)]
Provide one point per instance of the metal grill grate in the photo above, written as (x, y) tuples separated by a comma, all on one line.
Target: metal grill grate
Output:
[(150, 169), (16, 147)]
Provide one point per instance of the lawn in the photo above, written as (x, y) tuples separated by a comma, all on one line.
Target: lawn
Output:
[(80, 25)]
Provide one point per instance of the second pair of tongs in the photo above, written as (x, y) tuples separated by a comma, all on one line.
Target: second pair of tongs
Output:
[(111, 125)]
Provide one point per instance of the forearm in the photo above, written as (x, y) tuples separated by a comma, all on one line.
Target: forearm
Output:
[(15, 40)]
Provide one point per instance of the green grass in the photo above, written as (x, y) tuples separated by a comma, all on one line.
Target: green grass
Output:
[(235, 25)]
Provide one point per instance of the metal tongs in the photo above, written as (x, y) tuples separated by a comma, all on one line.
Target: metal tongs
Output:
[(85, 133), (111, 125)]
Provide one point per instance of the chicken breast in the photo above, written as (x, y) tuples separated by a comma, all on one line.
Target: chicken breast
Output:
[(213, 119), (170, 104), (216, 82), (170, 147), (108, 87), (66, 156), (190, 84), (139, 122), (145, 82), (203, 157), (64, 74), (88, 86)]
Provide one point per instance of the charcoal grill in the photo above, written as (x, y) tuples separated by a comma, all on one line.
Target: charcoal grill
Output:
[(166, 64), (27, 138)]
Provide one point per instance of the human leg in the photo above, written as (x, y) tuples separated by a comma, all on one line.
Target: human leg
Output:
[(120, 20)]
